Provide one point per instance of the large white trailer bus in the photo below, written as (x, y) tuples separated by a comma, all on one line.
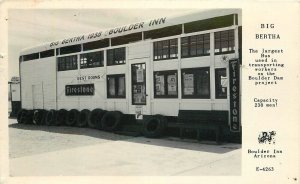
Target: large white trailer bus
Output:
[(180, 72)]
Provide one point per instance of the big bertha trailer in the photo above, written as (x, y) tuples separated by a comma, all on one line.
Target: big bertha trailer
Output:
[(147, 77)]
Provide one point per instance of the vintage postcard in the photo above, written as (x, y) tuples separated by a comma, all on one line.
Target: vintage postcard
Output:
[(149, 92)]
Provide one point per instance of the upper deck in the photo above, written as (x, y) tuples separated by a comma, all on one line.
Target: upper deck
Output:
[(144, 30)]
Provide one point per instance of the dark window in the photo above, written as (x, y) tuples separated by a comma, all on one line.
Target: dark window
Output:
[(116, 56), (166, 49), (198, 45), (126, 39), (116, 87), (70, 49), (163, 32), (224, 42), (31, 56), (221, 83), (208, 24), (96, 44), (67, 63), (195, 83), (91, 60), (20, 58), (165, 84), (47, 53)]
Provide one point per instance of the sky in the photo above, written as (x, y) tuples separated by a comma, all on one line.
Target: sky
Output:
[(29, 27)]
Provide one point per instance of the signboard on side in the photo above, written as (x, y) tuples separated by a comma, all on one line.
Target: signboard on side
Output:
[(234, 83), (80, 90)]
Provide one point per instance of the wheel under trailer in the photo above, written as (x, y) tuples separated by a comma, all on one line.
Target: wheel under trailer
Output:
[(188, 122)]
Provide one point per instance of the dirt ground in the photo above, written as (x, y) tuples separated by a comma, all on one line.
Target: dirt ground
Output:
[(71, 151)]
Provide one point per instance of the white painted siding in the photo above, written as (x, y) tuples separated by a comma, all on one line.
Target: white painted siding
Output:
[(39, 72), (81, 102)]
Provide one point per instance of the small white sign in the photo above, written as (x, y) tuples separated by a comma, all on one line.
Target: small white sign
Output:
[(139, 75), (138, 112)]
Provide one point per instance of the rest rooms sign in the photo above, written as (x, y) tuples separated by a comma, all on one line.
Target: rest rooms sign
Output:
[(80, 90), (234, 76)]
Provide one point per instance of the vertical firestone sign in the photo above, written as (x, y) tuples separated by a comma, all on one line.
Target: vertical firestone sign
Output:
[(234, 84)]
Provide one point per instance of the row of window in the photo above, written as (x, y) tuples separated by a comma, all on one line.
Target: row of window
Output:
[(191, 46), (196, 45), (44, 54), (195, 84), (91, 60)]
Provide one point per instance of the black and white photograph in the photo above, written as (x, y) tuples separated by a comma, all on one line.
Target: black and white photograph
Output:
[(149, 92), (152, 92)]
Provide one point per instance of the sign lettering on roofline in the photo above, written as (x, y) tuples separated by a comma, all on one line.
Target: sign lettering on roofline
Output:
[(111, 32)]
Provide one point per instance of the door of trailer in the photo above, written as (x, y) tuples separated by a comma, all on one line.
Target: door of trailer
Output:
[(37, 96), (139, 59)]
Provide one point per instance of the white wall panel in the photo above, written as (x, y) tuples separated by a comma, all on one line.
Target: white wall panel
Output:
[(165, 65), (194, 104), (195, 62), (41, 72), (139, 50), (165, 107)]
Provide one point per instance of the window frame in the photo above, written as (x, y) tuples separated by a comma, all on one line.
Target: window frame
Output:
[(47, 53), (161, 49), (115, 76), (70, 49), (165, 73), (113, 50), (216, 84), (197, 43), (32, 56), (226, 39), (197, 72), (101, 60), (70, 64)]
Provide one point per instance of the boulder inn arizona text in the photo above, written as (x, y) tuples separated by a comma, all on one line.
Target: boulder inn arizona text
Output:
[(178, 75)]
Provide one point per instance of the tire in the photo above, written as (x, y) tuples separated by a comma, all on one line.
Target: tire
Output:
[(50, 118), (38, 116), (20, 115), (111, 121), (45, 112), (154, 126), (28, 117), (95, 117), (61, 116), (72, 117), (82, 119)]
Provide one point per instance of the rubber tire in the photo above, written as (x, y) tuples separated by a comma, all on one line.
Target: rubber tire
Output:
[(38, 115), (20, 115), (45, 112), (83, 117), (50, 117), (61, 116), (154, 126), (28, 119), (95, 117), (72, 117), (111, 121)]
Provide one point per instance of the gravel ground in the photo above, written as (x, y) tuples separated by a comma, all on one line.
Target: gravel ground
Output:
[(70, 151), (28, 140)]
